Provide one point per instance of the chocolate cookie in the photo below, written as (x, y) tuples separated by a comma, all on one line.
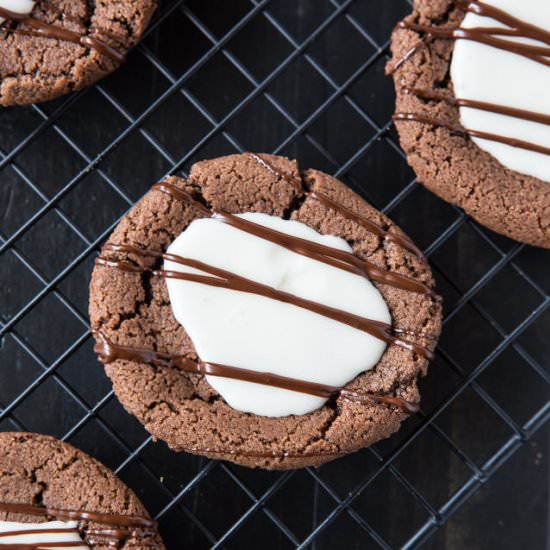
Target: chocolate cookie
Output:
[(473, 112), (51, 492), (49, 48), (274, 413)]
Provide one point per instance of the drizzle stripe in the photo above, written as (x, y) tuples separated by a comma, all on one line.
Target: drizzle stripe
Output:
[(37, 532), (486, 10), (517, 28), (482, 106), (540, 54), (42, 29), (109, 352), (424, 119), (224, 279), (374, 228), (341, 209), (337, 258), (340, 259), (76, 515)]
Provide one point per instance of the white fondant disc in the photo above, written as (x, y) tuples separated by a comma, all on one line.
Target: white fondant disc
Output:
[(253, 332), (485, 73)]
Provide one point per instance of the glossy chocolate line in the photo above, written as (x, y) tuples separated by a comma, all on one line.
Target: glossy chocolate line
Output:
[(540, 54), (109, 352), (424, 119), (225, 279), (369, 225), (130, 249), (518, 28), (332, 256), (42, 29), (77, 515), (340, 259), (374, 228), (76, 20), (52, 531), (183, 196), (480, 105), (485, 10), (105, 536), (37, 532)]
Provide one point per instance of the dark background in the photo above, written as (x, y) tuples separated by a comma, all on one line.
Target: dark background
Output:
[(304, 78)]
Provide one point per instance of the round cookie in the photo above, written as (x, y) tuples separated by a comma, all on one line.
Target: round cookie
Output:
[(444, 157), (65, 45), (133, 310), (43, 480)]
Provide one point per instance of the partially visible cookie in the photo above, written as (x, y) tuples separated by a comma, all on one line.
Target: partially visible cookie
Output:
[(49, 48), (51, 492), (153, 360), (485, 148)]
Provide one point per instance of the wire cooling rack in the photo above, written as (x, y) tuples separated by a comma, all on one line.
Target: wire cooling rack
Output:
[(297, 77)]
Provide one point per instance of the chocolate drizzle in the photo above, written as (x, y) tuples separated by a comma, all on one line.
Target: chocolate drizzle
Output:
[(332, 256), (121, 527), (109, 352), (363, 221), (491, 36), (457, 129), (31, 26), (517, 26), (487, 36), (326, 254), (61, 531), (51, 531), (225, 279), (483, 106)]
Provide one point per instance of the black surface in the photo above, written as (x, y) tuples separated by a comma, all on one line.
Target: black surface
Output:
[(303, 78)]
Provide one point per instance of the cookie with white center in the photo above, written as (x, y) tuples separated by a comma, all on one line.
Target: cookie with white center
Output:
[(262, 315), (473, 109), (55, 496), (52, 47)]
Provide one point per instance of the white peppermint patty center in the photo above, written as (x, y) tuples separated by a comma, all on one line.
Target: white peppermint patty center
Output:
[(489, 74), (253, 332)]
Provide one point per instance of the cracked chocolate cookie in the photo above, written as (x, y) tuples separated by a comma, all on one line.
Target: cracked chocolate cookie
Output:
[(263, 315), (473, 109), (52, 47), (53, 495)]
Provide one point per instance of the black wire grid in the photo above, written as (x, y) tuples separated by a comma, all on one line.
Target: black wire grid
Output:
[(297, 77)]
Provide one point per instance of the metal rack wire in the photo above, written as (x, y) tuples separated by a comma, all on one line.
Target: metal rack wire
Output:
[(302, 78)]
